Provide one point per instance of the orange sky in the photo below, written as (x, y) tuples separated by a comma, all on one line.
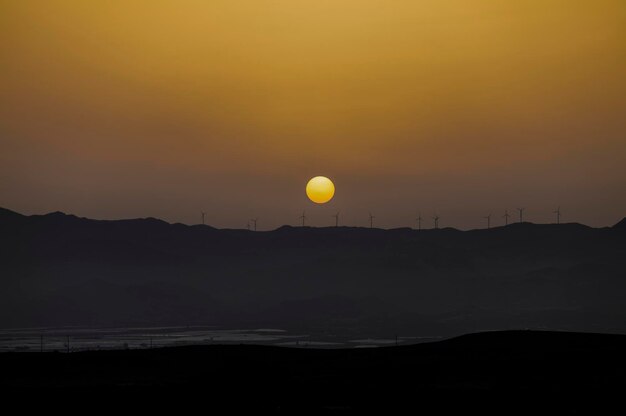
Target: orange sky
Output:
[(124, 109)]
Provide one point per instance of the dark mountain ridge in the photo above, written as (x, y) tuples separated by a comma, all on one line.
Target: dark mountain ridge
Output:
[(60, 269)]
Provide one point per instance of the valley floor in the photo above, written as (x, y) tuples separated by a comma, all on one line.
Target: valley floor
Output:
[(511, 372)]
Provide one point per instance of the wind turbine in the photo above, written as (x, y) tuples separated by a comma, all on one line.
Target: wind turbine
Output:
[(248, 225), (521, 214), (303, 217), (336, 216), (506, 217), (371, 220), (436, 218), (488, 218), (254, 220), (419, 220), (558, 215), (203, 215)]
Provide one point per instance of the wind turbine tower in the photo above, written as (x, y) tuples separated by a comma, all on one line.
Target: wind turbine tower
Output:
[(436, 218), (254, 220), (203, 215), (303, 217), (521, 214), (506, 217), (371, 220), (558, 215), (336, 216), (419, 221), (488, 218)]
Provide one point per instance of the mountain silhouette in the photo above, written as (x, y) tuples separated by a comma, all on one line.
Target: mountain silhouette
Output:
[(621, 225), (60, 269)]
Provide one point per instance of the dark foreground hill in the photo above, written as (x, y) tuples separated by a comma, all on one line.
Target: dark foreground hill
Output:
[(59, 269), (516, 372)]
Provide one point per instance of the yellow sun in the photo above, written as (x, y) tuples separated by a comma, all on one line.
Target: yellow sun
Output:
[(320, 189)]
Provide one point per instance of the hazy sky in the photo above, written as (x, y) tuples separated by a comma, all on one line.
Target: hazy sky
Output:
[(118, 109)]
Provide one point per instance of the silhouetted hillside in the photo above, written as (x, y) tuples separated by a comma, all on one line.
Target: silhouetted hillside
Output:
[(516, 372), (59, 269), (621, 225)]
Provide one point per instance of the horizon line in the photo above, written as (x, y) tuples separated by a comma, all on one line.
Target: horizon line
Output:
[(315, 227)]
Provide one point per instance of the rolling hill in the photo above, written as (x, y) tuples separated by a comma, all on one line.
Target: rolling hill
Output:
[(59, 269)]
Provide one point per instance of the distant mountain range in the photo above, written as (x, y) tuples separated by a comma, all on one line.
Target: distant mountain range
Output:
[(59, 269)]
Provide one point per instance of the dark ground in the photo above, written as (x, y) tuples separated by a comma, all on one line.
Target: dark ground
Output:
[(512, 372)]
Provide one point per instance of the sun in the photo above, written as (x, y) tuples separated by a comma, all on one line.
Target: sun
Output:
[(320, 189)]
